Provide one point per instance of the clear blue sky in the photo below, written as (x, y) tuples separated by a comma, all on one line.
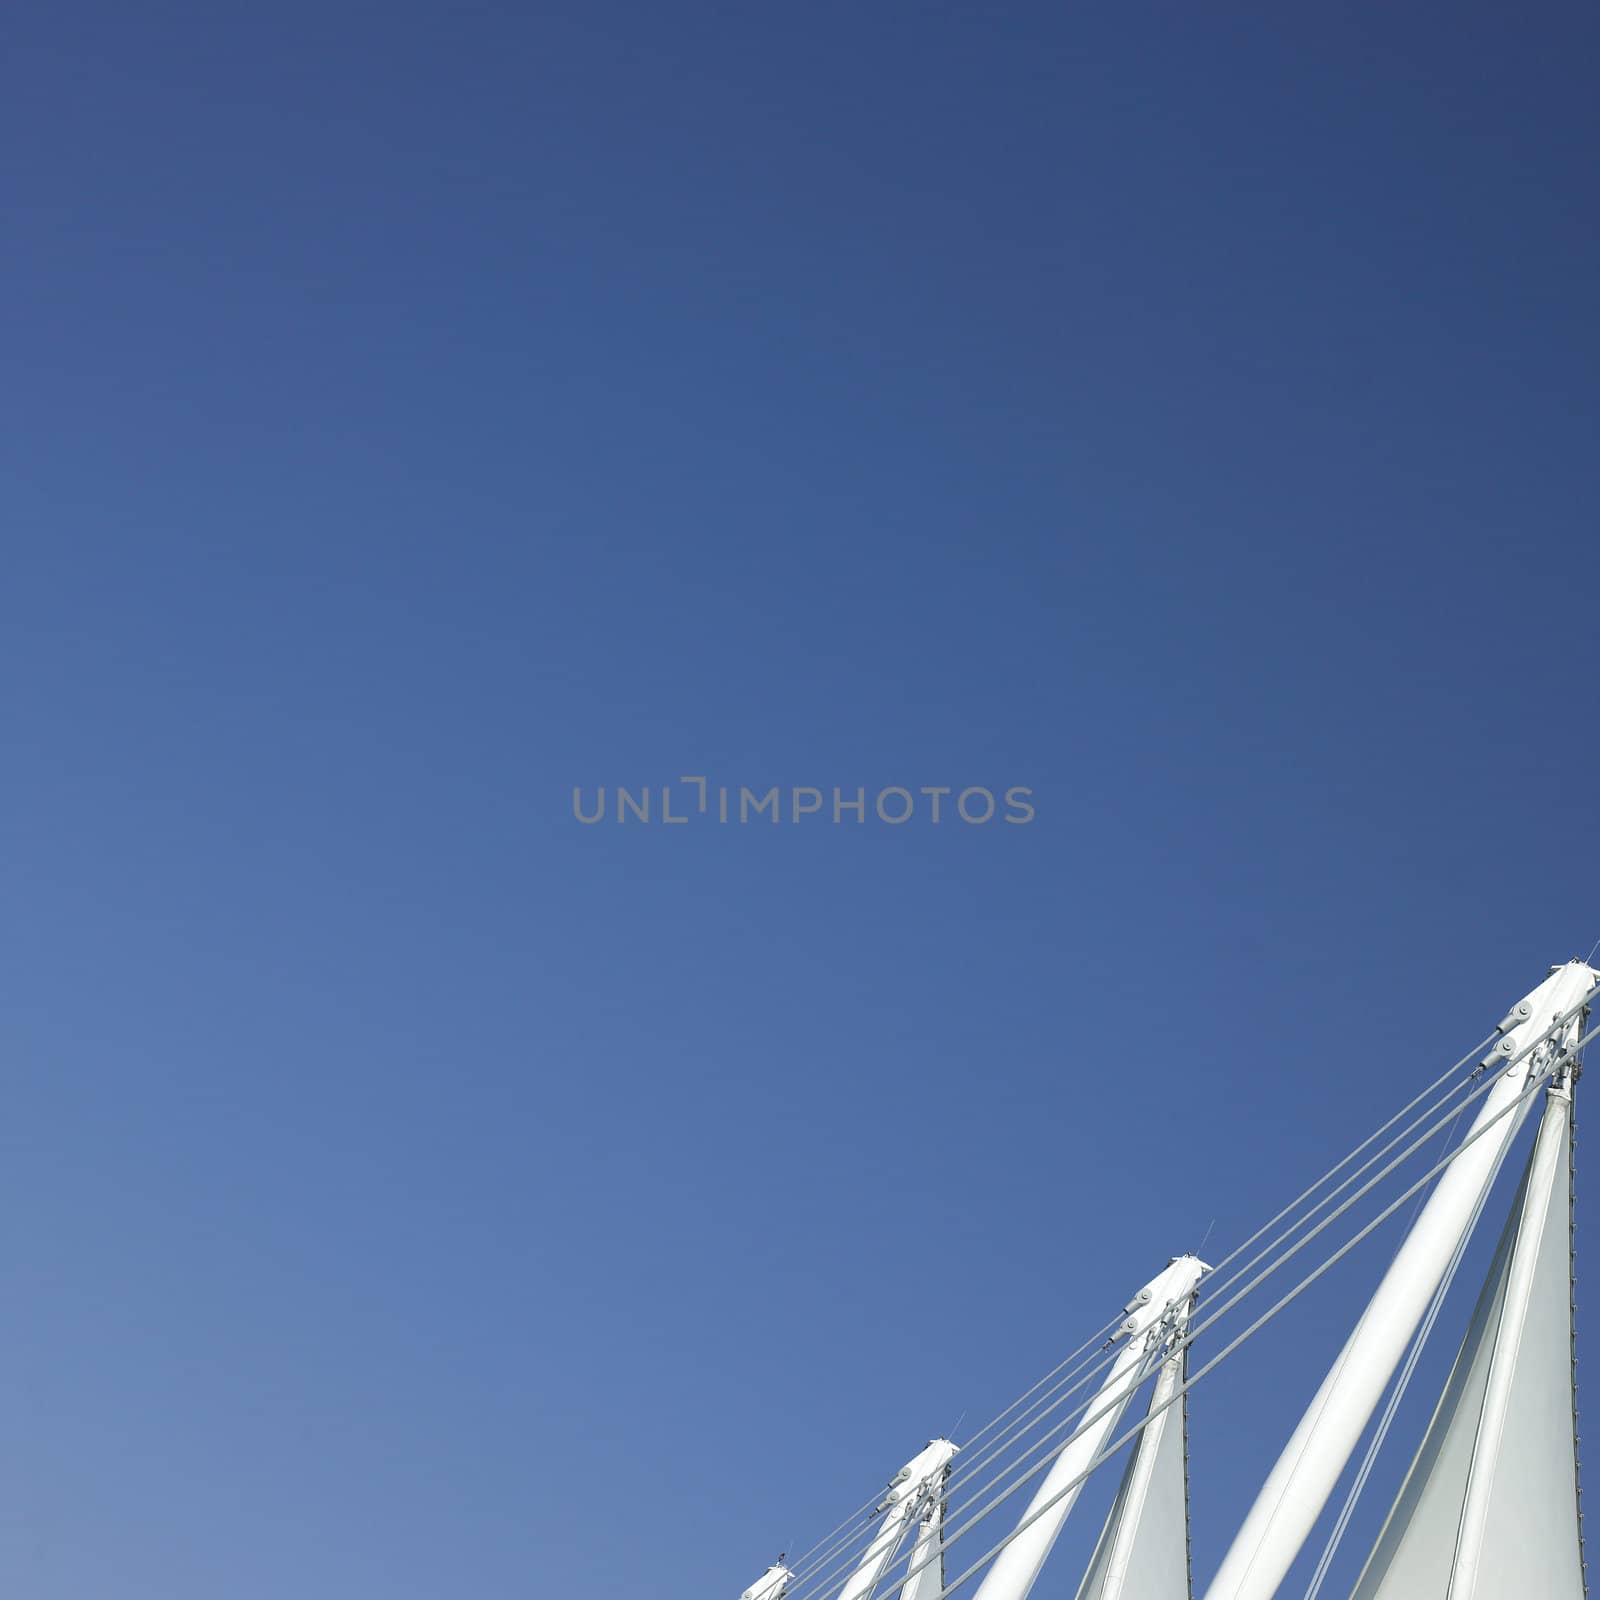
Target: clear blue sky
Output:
[(415, 412)]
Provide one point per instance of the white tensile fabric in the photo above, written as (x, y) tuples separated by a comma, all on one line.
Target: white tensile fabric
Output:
[(1522, 1521), (1143, 1550)]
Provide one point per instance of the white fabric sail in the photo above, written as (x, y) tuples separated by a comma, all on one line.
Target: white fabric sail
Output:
[(1489, 1508), (1143, 1550)]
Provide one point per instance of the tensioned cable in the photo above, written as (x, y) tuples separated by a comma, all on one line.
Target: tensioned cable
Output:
[(840, 1537), (1196, 1330), (1040, 1411), (1098, 1361), (807, 1567), (851, 1542), (1089, 1343), (1123, 1393), (1504, 1067), (969, 1470), (834, 1580), (1209, 1322), (1444, 1078), (1536, 1080), (1200, 1327), (847, 1536), (1134, 1381), (835, 1542), (1471, 1056), (1433, 1108)]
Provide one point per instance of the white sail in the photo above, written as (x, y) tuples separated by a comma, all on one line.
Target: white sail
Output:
[(1489, 1509), (1143, 1552)]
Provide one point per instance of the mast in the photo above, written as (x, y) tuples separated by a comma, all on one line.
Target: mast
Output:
[(773, 1584), (1299, 1485), (926, 1567), (909, 1491), (1016, 1568)]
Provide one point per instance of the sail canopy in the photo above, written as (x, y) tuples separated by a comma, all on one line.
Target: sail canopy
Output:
[(1489, 1508), (1143, 1550)]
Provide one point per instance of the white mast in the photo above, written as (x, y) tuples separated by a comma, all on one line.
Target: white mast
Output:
[(1015, 1570), (926, 1566), (1299, 1485), (909, 1489), (773, 1584)]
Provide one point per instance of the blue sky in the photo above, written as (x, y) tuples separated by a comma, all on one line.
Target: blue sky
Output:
[(415, 413)]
